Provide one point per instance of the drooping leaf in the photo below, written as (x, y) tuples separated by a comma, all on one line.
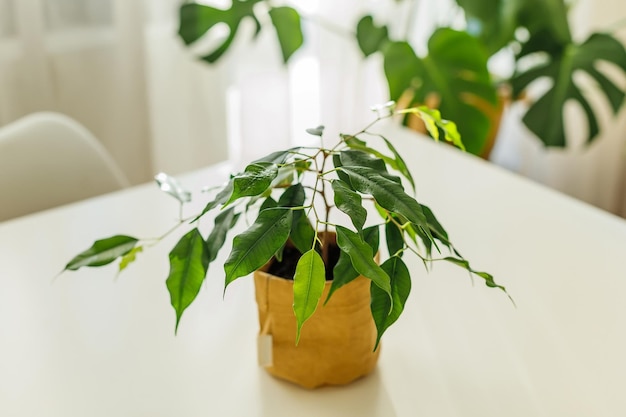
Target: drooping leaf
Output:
[(256, 179), (386, 311), (103, 252), (292, 197), (189, 261), (359, 158), (129, 258), (344, 272), (393, 236), (308, 285), (278, 157), (399, 164), (545, 116), (224, 222), (286, 21), (349, 202), (255, 246), (433, 122), (362, 258), (371, 38), (197, 19), (489, 280), (388, 194), (171, 186), (302, 233)]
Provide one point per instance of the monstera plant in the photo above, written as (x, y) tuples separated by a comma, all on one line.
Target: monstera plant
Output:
[(453, 74)]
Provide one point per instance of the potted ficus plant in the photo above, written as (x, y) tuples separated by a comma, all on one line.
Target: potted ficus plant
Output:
[(308, 268)]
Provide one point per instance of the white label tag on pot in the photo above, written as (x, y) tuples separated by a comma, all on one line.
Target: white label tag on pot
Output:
[(264, 350)]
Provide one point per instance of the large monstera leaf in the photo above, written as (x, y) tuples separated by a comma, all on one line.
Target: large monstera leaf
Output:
[(196, 20), (455, 70), (545, 116)]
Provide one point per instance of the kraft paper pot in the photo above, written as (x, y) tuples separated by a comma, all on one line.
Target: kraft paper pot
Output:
[(336, 344)]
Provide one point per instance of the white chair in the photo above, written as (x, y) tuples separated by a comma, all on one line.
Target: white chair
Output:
[(48, 159)]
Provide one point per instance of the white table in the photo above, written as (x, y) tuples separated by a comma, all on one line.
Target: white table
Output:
[(89, 345)]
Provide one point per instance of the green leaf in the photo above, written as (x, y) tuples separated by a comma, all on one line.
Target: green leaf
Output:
[(308, 285), (220, 198), (360, 158), (455, 70), (286, 21), (393, 236), (255, 246), (316, 131), (489, 281), (292, 197), (255, 180), (344, 272), (362, 258), (171, 186), (388, 194), (224, 222), (302, 233), (129, 258), (269, 202), (545, 116), (386, 311), (196, 20), (189, 261), (103, 252), (278, 157), (399, 164), (371, 38), (349, 202)]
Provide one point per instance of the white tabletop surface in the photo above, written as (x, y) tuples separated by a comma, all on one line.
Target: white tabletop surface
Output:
[(87, 344)]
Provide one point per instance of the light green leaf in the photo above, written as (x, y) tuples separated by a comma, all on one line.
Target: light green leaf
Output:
[(344, 272), (385, 311), (308, 285), (224, 222), (189, 261), (103, 252), (129, 258), (349, 201), (254, 247), (255, 180), (286, 21), (362, 258)]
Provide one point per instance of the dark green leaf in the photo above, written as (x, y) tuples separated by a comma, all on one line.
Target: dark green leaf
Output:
[(308, 285), (545, 116), (196, 20), (103, 252), (386, 311), (399, 164), (362, 258), (254, 247), (189, 261), (292, 197), (255, 180), (360, 158), (371, 38), (220, 198), (349, 201), (388, 194), (435, 227), (225, 221), (393, 236), (269, 202), (489, 281), (286, 20), (278, 157), (302, 233), (344, 272)]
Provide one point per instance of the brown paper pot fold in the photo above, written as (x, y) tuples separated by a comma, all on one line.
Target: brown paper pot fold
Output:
[(336, 344)]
